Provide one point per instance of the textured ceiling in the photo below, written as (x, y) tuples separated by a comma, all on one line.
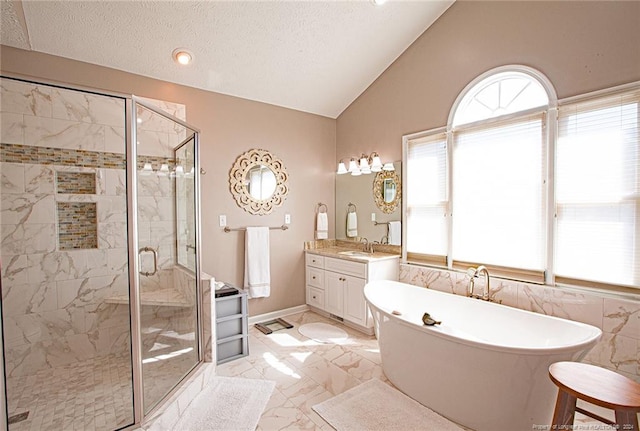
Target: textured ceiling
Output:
[(313, 56)]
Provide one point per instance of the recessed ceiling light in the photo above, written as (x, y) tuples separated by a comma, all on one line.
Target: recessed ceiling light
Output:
[(182, 56), (378, 2)]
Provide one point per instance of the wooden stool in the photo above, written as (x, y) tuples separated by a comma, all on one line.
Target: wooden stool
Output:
[(597, 386)]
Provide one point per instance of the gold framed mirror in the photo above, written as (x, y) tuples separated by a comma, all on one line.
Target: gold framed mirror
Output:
[(258, 181), (387, 191)]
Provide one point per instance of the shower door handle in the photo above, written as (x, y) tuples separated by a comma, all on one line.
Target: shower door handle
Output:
[(155, 260)]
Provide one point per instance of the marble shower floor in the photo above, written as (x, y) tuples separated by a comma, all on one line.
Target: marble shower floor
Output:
[(89, 395), (92, 395)]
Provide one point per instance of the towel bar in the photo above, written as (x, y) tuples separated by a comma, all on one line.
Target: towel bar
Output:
[(229, 229)]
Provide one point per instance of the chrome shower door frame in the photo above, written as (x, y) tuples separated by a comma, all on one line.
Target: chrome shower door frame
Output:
[(133, 247)]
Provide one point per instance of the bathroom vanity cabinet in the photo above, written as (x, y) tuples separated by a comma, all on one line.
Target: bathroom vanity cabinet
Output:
[(335, 284)]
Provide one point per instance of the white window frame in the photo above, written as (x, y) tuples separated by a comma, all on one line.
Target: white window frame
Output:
[(552, 136)]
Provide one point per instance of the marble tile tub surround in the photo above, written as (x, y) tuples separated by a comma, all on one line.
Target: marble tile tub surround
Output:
[(619, 319)]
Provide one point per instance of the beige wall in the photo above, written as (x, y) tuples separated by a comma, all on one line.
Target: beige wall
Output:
[(229, 126), (580, 46)]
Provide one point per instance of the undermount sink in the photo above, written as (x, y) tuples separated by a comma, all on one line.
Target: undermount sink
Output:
[(355, 253)]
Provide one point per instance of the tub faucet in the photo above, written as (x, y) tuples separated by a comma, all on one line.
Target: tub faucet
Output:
[(473, 273)]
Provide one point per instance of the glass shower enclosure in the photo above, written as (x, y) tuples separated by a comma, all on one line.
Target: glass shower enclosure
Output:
[(99, 255)]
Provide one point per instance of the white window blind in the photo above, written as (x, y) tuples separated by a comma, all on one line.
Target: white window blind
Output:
[(426, 195), (499, 194), (598, 192)]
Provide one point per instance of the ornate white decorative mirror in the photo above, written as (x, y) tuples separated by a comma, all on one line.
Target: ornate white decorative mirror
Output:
[(258, 181)]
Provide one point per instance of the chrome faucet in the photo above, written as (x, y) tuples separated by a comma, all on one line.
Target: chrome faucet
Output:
[(473, 273), (366, 246)]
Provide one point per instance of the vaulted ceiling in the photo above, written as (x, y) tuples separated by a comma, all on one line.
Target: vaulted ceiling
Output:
[(313, 56)]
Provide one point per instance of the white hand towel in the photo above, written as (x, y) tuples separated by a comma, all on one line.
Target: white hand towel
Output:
[(322, 226), (352, 224), (257, 276), (395, 233)]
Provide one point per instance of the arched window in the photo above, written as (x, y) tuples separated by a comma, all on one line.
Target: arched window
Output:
[(501, 91), (535, 189), (497, 169)]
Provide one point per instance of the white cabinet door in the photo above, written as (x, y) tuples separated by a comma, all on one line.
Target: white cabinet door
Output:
[(334, 293), (355, 306)]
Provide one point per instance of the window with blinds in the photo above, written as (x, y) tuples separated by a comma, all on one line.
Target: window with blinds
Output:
[(479, 191), (426, 198), (498, 194), (597, 183)]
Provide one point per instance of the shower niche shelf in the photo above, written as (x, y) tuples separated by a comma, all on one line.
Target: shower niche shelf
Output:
[(77, 225), (160, 298)]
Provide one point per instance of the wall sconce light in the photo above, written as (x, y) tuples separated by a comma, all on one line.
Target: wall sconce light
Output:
[(164, 170), (376, 163), (147, 169), (342, 169), (353, 167), (366, 165)]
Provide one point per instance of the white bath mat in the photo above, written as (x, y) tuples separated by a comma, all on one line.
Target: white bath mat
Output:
[(374, 405), (227, 403), (323, 332)]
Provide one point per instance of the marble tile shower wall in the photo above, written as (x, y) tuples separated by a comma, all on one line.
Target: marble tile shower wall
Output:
[(53, 296), (619, 319), (54, 305)]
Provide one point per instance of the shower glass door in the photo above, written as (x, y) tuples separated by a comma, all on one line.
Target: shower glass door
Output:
[(64, 248), (167, 264)]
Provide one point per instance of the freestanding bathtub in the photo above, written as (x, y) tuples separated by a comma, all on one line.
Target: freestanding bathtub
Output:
[(485, 366)]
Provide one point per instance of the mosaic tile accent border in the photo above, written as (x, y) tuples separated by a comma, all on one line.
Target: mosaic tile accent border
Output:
[(83, 183), (14, 153), (156, 162), (77, 225)]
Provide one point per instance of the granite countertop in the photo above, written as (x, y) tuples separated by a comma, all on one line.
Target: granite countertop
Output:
[(352, 254)]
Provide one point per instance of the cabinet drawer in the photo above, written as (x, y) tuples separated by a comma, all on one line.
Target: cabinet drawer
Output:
[(315, 277), (315, 297), (348, 267), (315, 260)]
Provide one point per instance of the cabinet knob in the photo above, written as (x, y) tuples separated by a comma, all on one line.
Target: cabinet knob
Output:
[(314, 297), (314, 277)]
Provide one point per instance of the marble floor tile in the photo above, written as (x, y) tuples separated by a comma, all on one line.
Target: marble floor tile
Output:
[(306, 372)]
